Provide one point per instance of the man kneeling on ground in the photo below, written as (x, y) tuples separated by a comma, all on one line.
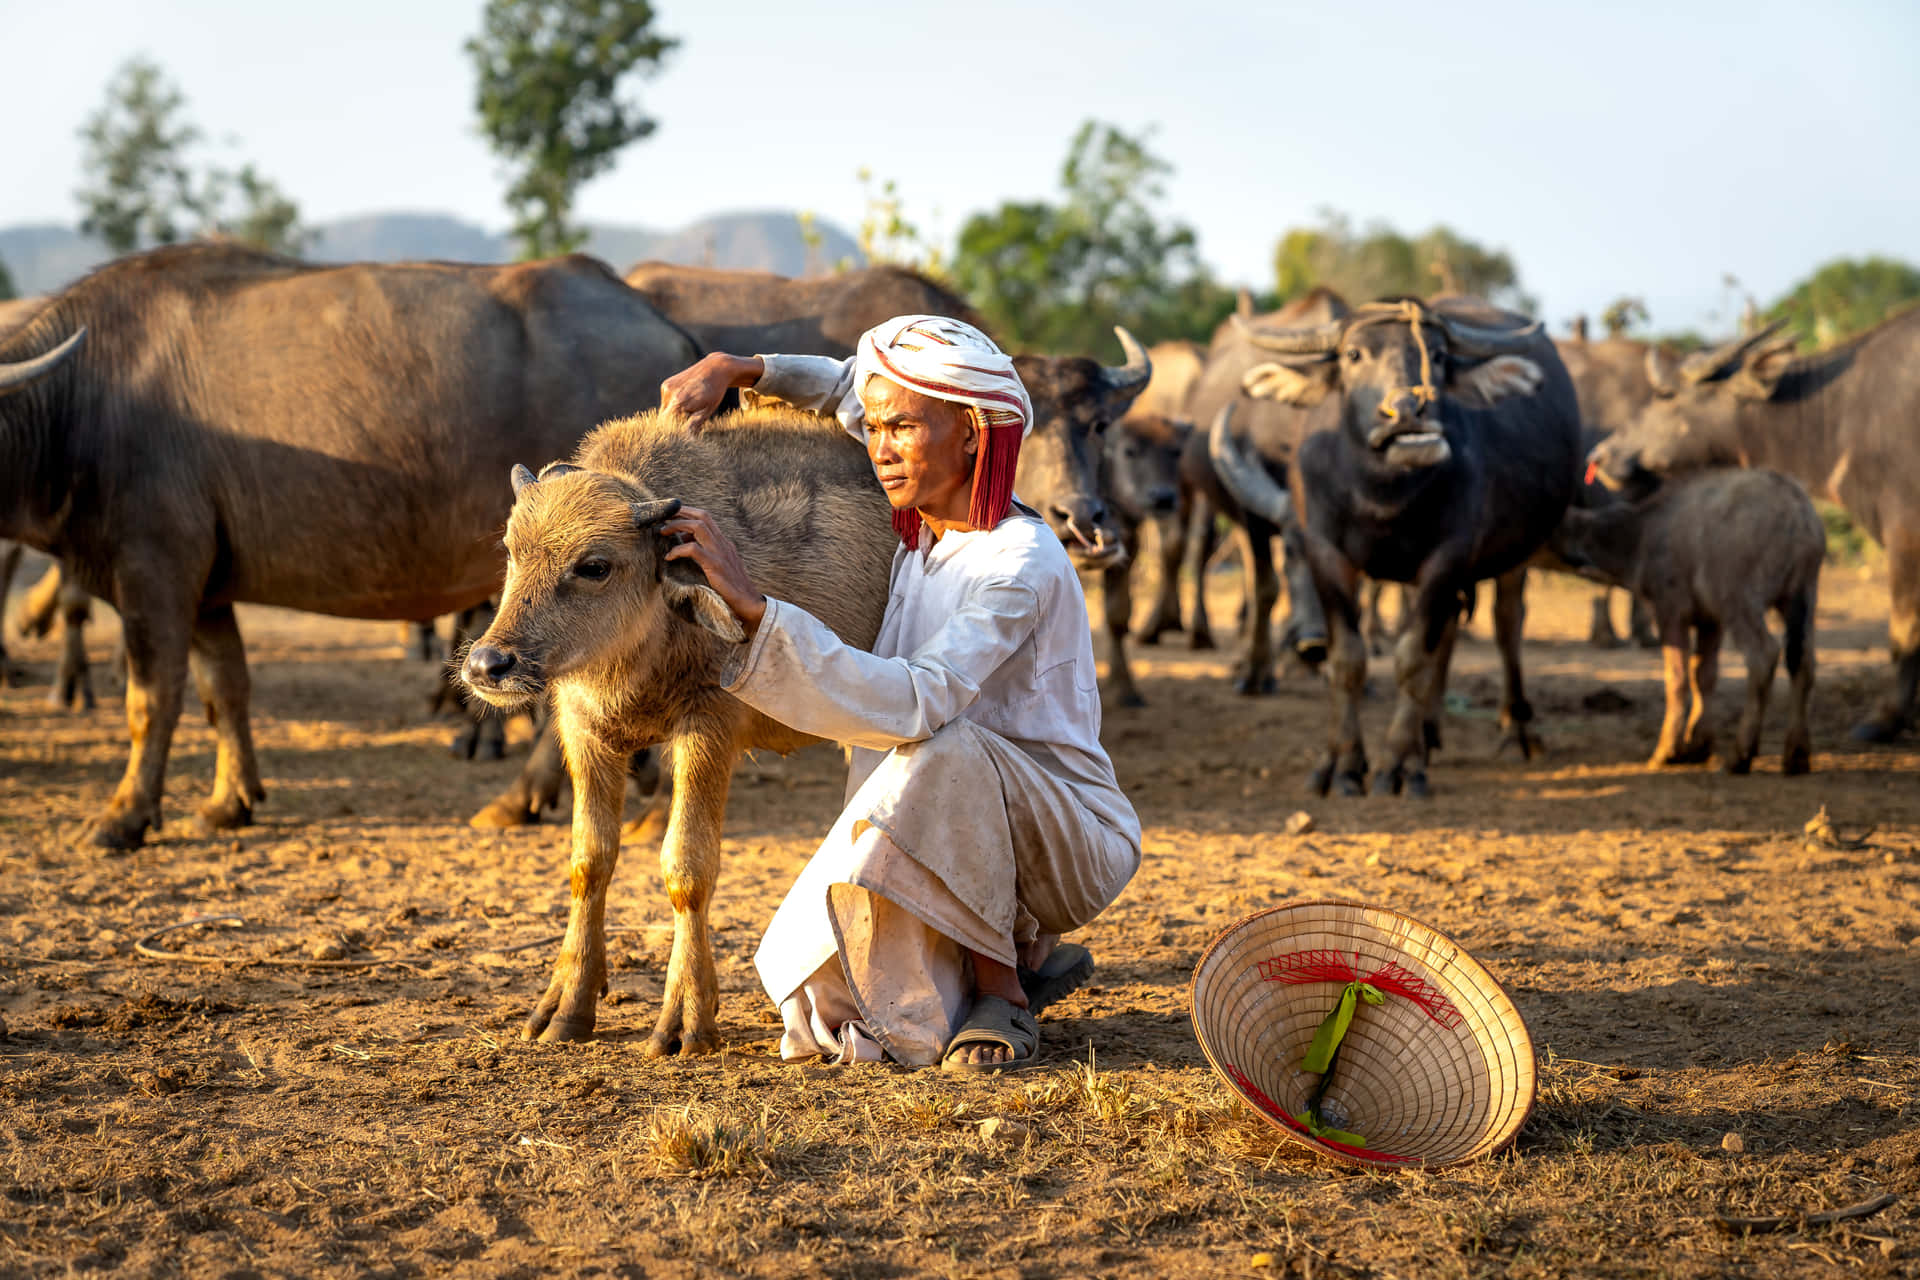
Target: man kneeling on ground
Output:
[(982, 818)]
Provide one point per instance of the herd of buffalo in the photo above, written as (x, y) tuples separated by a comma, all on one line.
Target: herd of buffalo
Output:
[(199, 426)]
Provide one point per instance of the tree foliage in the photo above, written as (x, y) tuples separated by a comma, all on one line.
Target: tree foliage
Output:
[(6, 283), (1845, 297), (1059, 277), (1381, 262), (1623, 314), (551, 74), (142, 188)]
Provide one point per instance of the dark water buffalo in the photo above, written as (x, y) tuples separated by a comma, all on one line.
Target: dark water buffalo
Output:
[(1443, 449), (241, 427), (632, 648), (1609, 377), (1141, 475), (1266, 432), (1845, 423)]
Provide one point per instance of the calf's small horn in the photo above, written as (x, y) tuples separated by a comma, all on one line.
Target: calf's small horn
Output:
[(1132, 375), (1316, 340), (19, 375), (521, 478), (1244, 477), (659, 511)]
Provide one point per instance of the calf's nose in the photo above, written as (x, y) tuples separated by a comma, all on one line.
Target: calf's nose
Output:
[(1162, 500), (488, 665)]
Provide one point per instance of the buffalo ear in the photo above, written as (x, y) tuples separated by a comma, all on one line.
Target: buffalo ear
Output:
[(521, 478), (1663, 371), (687, 593), (648, 514), (1501, 378), (1760, 373), (1273, 381)]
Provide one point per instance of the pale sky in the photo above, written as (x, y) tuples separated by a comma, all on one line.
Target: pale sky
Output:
[(1628, 147)]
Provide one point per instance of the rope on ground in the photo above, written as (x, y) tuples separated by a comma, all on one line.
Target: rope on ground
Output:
[(1795, 1221)]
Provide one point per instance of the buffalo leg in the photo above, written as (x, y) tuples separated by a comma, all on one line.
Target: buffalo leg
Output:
[(1895, 716), (10, 554), (1202, 539), (690, 865), (1170, 548), (1417, 671), (1640, 622), (485, 733), (655, 786), (219, 662), (1675, 638), (1263, 592), (73, 680), (1306, 617), (1703, 676), (567, 1009), (1116, 585), (538, 786), (158, 635), (1796, 755), (423, 638), (1345, 767), (1509, 626), (1762, 653), (1437, 703), (1600, 632)]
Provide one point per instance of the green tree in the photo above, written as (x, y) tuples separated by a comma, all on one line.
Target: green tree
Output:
[(1381, 262), (1845, 297), (142, 189), (886, 233), (1058, 277), (550, 79), (6, 283), (1622, 314)]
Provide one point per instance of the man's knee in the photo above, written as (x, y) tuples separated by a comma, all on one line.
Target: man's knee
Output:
[(955, 740)]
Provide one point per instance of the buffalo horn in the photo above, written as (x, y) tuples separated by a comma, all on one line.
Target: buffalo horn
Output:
[(1133, 375), (1476, 343), (659, 511), (1244, 477), (1314, 341), (19, 375), (521, 478), (1703, 365)]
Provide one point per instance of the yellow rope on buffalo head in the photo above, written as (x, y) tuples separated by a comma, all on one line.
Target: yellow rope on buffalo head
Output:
[(1425, 393)]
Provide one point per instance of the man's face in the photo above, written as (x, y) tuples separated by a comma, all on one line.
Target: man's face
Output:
[(922, 449)]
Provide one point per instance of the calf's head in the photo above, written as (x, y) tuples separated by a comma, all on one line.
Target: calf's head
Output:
[(588, 584), (1143, 465), (1391, 364), (1692, 420), (1075, 400)]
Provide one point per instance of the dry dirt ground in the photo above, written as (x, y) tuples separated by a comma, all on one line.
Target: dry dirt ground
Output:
[(1690, 965)]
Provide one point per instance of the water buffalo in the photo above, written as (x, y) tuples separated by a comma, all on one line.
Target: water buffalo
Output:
[(633, 649), (243, 427), (1141, 476), (1712, 551), (1842, 422), (1267, 430), (1176, 367), (1443, 449)]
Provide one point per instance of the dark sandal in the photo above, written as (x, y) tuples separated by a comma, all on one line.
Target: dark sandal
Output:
[(1066, 969), (995, 1021)]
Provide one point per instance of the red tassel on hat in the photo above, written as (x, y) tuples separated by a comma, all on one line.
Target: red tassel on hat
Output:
[(994, 467)]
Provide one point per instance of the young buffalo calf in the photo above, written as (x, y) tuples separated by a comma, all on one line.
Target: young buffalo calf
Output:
[(1713, 551), (634, 649)]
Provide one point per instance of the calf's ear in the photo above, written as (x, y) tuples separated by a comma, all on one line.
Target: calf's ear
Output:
[(1302, 387), (521, 478), (1500, 378), (687, 594)]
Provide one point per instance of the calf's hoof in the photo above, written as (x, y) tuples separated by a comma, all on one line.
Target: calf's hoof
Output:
[(1351, 784), (1199, 640), (1417, 786), (1796, 760), (699, 1044), (1387, 782), (119, 833), (1604, 640), (226, 813), (1738, 765), (1320, 779), (560, 1029), (502, 812), (1693, 752), (1517, 739)]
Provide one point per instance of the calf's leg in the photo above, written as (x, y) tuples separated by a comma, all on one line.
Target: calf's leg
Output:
[(1345, 767), (1796, 754), (1703, 676), (690, 864), (1169, 537), (1202, 539), (73, 680), (219, 661), (1418, 671), (1762, 653), (1675, 637), (1116, 589), (1263, 591), (567, 1010), (538, 786), (1600, 632)]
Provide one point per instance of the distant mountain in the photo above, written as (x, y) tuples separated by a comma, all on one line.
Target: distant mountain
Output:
[(45, 258)]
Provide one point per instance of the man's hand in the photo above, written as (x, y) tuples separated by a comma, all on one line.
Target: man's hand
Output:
[(704, 544), (695, 392)]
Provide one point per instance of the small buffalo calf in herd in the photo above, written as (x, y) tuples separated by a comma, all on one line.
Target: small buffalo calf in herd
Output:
[(201, 426)]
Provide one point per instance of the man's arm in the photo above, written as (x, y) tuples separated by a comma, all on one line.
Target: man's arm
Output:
[(818, 384)]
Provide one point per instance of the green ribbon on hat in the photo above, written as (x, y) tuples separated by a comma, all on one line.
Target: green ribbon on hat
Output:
[(1326, 1041), (1327, 1132)]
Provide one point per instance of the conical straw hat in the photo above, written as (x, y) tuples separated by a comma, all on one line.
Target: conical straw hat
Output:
[(1442, 1071)]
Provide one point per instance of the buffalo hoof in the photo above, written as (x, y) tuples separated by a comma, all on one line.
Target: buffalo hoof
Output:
[(1604, 640), (1351, 784), (1320, 779), (1387, 782), (502, 812), (1132, 699), (1430, 734), (1517, 739), (559, 1029), (1883, 727), (1248, 685), (1697, 752), (117, 833), (1200, 640), (1796, 760), (1417, 786), (1738, 765), (226, 813), (12, 676)]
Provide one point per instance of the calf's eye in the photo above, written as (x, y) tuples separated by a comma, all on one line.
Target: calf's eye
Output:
[(593, 570), (1353, 355)]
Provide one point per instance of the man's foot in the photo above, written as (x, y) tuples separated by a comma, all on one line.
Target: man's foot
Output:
[(997, 1036)]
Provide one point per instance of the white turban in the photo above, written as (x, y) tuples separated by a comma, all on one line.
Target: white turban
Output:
[(949, 360)]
